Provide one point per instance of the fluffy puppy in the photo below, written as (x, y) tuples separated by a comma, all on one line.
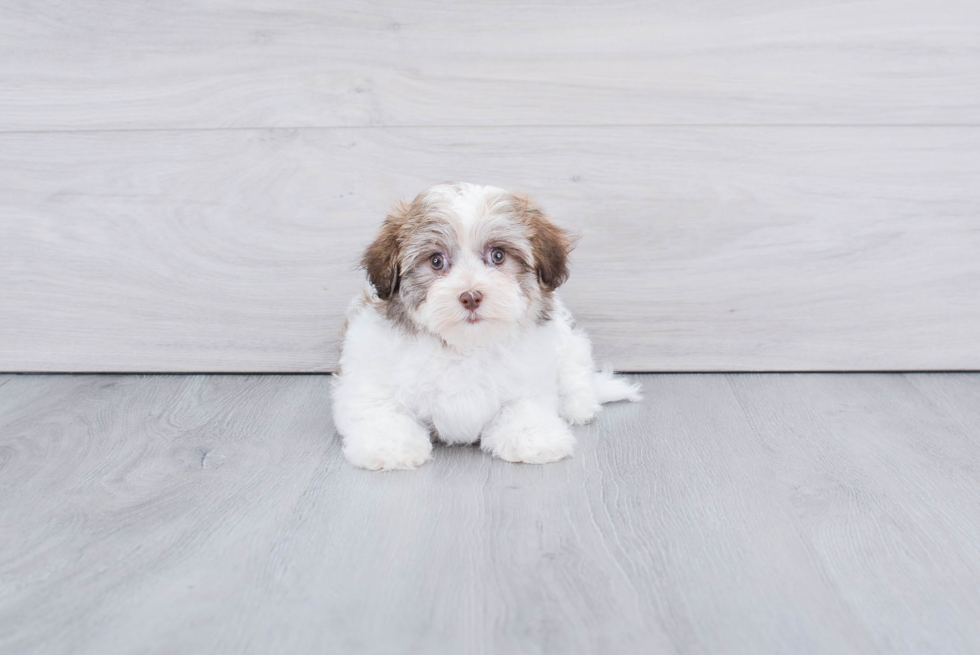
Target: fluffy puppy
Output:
[(461, 337)]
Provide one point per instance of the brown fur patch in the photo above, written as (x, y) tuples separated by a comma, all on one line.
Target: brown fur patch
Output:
[(550, 243), (385, 259), (381, 257)]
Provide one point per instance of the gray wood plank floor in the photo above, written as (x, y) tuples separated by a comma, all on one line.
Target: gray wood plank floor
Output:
[(799, 513)]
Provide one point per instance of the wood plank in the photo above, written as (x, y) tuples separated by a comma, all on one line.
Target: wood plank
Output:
[(132, 477), (883, 489), (727, 513), (955, 397), (702, 249), (270, 63)]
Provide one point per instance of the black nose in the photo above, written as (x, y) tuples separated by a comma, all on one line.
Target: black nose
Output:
[(470, 299)]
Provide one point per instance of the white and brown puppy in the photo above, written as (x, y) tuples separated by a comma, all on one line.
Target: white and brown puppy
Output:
[(461, 337)]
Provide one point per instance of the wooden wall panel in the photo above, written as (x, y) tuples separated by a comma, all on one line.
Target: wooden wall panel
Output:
[(711, 248), (760, 185), (271, 63)]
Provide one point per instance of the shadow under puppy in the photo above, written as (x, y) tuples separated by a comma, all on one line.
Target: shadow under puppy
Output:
[(461, 336)]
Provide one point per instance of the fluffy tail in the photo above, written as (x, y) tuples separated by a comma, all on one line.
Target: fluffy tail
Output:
[(609, 388)]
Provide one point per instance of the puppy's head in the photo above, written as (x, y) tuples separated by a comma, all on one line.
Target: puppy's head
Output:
[(470, 264)]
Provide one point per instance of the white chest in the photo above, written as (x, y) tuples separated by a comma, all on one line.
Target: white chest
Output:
[(460, 394)]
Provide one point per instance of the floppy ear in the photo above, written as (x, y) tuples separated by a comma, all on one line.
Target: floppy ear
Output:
[(549, 243), (381, 257)]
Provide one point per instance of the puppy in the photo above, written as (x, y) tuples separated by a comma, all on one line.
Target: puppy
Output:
[(461, 336)]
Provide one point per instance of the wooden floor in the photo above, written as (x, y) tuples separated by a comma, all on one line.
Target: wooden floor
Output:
[(803, 513)]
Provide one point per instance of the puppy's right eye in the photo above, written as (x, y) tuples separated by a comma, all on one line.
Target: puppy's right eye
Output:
[(437, 262)]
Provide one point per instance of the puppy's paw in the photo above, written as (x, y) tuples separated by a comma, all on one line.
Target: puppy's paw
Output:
[(528, 453), (580, 408), (525, 432), (392, 457), (387, 444)]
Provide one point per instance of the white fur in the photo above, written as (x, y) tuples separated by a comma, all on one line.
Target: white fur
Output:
[(508, 381)]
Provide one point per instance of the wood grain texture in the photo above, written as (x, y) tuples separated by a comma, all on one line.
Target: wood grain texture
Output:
[(727, 513), (702, 248), (269, 63)]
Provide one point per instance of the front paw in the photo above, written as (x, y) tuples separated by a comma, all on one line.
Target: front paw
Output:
[(391, 457), (527, 433), (580, 409), (398, 443)]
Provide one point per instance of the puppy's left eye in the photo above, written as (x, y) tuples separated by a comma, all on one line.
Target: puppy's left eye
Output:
[(497, 256)]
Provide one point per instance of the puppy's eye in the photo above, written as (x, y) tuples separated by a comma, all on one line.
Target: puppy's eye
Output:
[(497, 256), (437, 262)]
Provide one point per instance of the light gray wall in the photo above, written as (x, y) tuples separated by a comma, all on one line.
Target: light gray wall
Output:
[(758, 185)]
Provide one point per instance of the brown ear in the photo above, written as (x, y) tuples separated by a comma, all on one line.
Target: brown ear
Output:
[(381, 257), (549, 243)]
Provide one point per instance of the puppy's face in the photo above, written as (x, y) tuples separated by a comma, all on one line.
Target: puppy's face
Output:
[(469, 264)]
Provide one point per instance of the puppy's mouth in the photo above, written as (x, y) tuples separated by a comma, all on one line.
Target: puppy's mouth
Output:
[(473, 318)]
